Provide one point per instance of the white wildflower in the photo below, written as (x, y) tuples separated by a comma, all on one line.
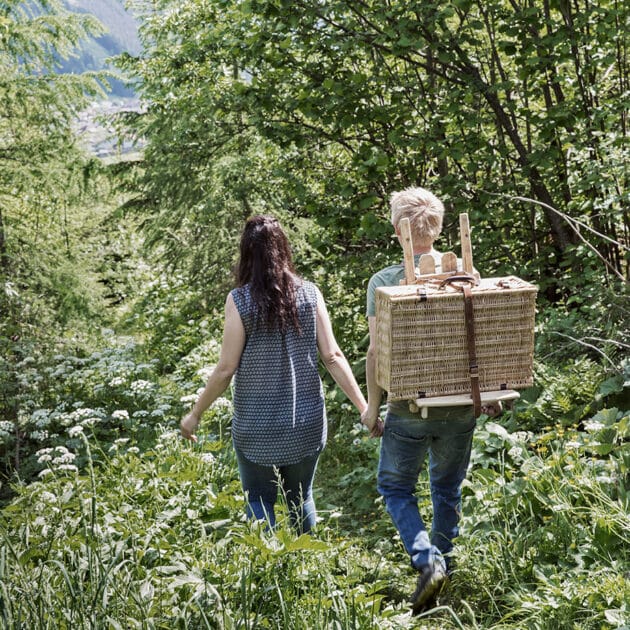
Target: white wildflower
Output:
[(40, 418), (169, 435), (66, 419), (75, 431), (68, 467), (222, 403), (120, 414), (516, 453), (84, 412), (134, 450), (205, 372), (141, 387), (117, 381), (45, 473), (64, 458), (39, 435), (47, 497), (521, 436), (593, 425), (190, 398)]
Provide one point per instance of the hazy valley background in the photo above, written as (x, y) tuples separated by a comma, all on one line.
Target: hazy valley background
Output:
[(121, 36)]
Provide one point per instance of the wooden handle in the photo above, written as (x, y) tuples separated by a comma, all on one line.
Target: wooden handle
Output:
[(464, 230), (407, 245)]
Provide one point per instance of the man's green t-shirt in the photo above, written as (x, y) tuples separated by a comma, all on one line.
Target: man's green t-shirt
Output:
[(391, 277)]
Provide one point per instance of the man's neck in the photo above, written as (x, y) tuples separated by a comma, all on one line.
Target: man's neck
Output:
[(427, 249)]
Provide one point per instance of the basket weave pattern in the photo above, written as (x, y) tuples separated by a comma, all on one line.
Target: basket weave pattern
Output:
[(421, 336)]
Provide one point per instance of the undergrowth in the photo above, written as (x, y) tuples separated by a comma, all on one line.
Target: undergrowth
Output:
[(137, 529)]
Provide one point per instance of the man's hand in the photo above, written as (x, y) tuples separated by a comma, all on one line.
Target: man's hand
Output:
[(373, 423), (492, 409), (188, 426)]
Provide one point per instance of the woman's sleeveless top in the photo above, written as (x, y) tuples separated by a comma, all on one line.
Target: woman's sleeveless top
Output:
[(279, 414)]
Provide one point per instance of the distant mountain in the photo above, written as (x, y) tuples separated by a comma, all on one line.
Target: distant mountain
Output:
[(121, 36)]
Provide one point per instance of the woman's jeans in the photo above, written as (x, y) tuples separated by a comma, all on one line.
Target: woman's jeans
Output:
[(447, 438), (295, 481)]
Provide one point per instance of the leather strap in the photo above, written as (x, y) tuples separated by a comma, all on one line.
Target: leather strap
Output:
[(473, 368), (469, 316), (465, 277)]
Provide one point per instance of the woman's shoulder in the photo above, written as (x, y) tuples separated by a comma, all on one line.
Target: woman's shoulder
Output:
[(241, 296), (306, 284), (307, 289), (237, 292)]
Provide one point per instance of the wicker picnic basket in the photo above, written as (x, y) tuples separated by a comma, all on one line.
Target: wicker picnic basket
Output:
[(424, 338)]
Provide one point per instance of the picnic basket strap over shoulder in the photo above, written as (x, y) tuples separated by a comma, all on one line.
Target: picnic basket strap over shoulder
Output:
[(469, 315), (472, 352)]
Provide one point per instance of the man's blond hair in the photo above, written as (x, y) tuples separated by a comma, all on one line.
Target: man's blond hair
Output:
[(424, 211)]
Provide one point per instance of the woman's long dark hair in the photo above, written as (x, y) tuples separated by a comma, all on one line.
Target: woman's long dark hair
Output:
[(266, 264)]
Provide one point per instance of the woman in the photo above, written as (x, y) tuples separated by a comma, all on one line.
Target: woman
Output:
[(275, 322)]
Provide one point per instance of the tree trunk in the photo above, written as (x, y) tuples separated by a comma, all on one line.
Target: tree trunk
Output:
[(561, 234)]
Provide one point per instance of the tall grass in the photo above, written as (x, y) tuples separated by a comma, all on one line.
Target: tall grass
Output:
[(158, 539), (153, 535), (546, 542)]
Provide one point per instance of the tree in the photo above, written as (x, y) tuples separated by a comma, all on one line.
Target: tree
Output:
[(43, 172), (487, 103), (37, 144)]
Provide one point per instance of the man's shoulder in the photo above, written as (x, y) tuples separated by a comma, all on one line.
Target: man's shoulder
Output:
[(387, 276)]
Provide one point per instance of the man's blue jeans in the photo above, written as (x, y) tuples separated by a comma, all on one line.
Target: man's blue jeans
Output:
[(447, 438), (295, 481)]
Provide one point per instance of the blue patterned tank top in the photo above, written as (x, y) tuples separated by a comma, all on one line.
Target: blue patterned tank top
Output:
[(279, 414)]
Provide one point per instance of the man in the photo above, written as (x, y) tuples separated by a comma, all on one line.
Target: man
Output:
[(445, 434)]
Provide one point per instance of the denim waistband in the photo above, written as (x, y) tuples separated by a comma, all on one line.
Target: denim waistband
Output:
[(400, 408)]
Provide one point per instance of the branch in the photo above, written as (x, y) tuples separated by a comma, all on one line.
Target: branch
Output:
[(613, 341), (588, 345), (572, 222)]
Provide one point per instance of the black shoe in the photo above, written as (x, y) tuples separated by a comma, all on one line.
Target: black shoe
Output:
[(431, 580)]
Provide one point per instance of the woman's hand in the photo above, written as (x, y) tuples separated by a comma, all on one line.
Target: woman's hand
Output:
[(188, 426), (373, 423)]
